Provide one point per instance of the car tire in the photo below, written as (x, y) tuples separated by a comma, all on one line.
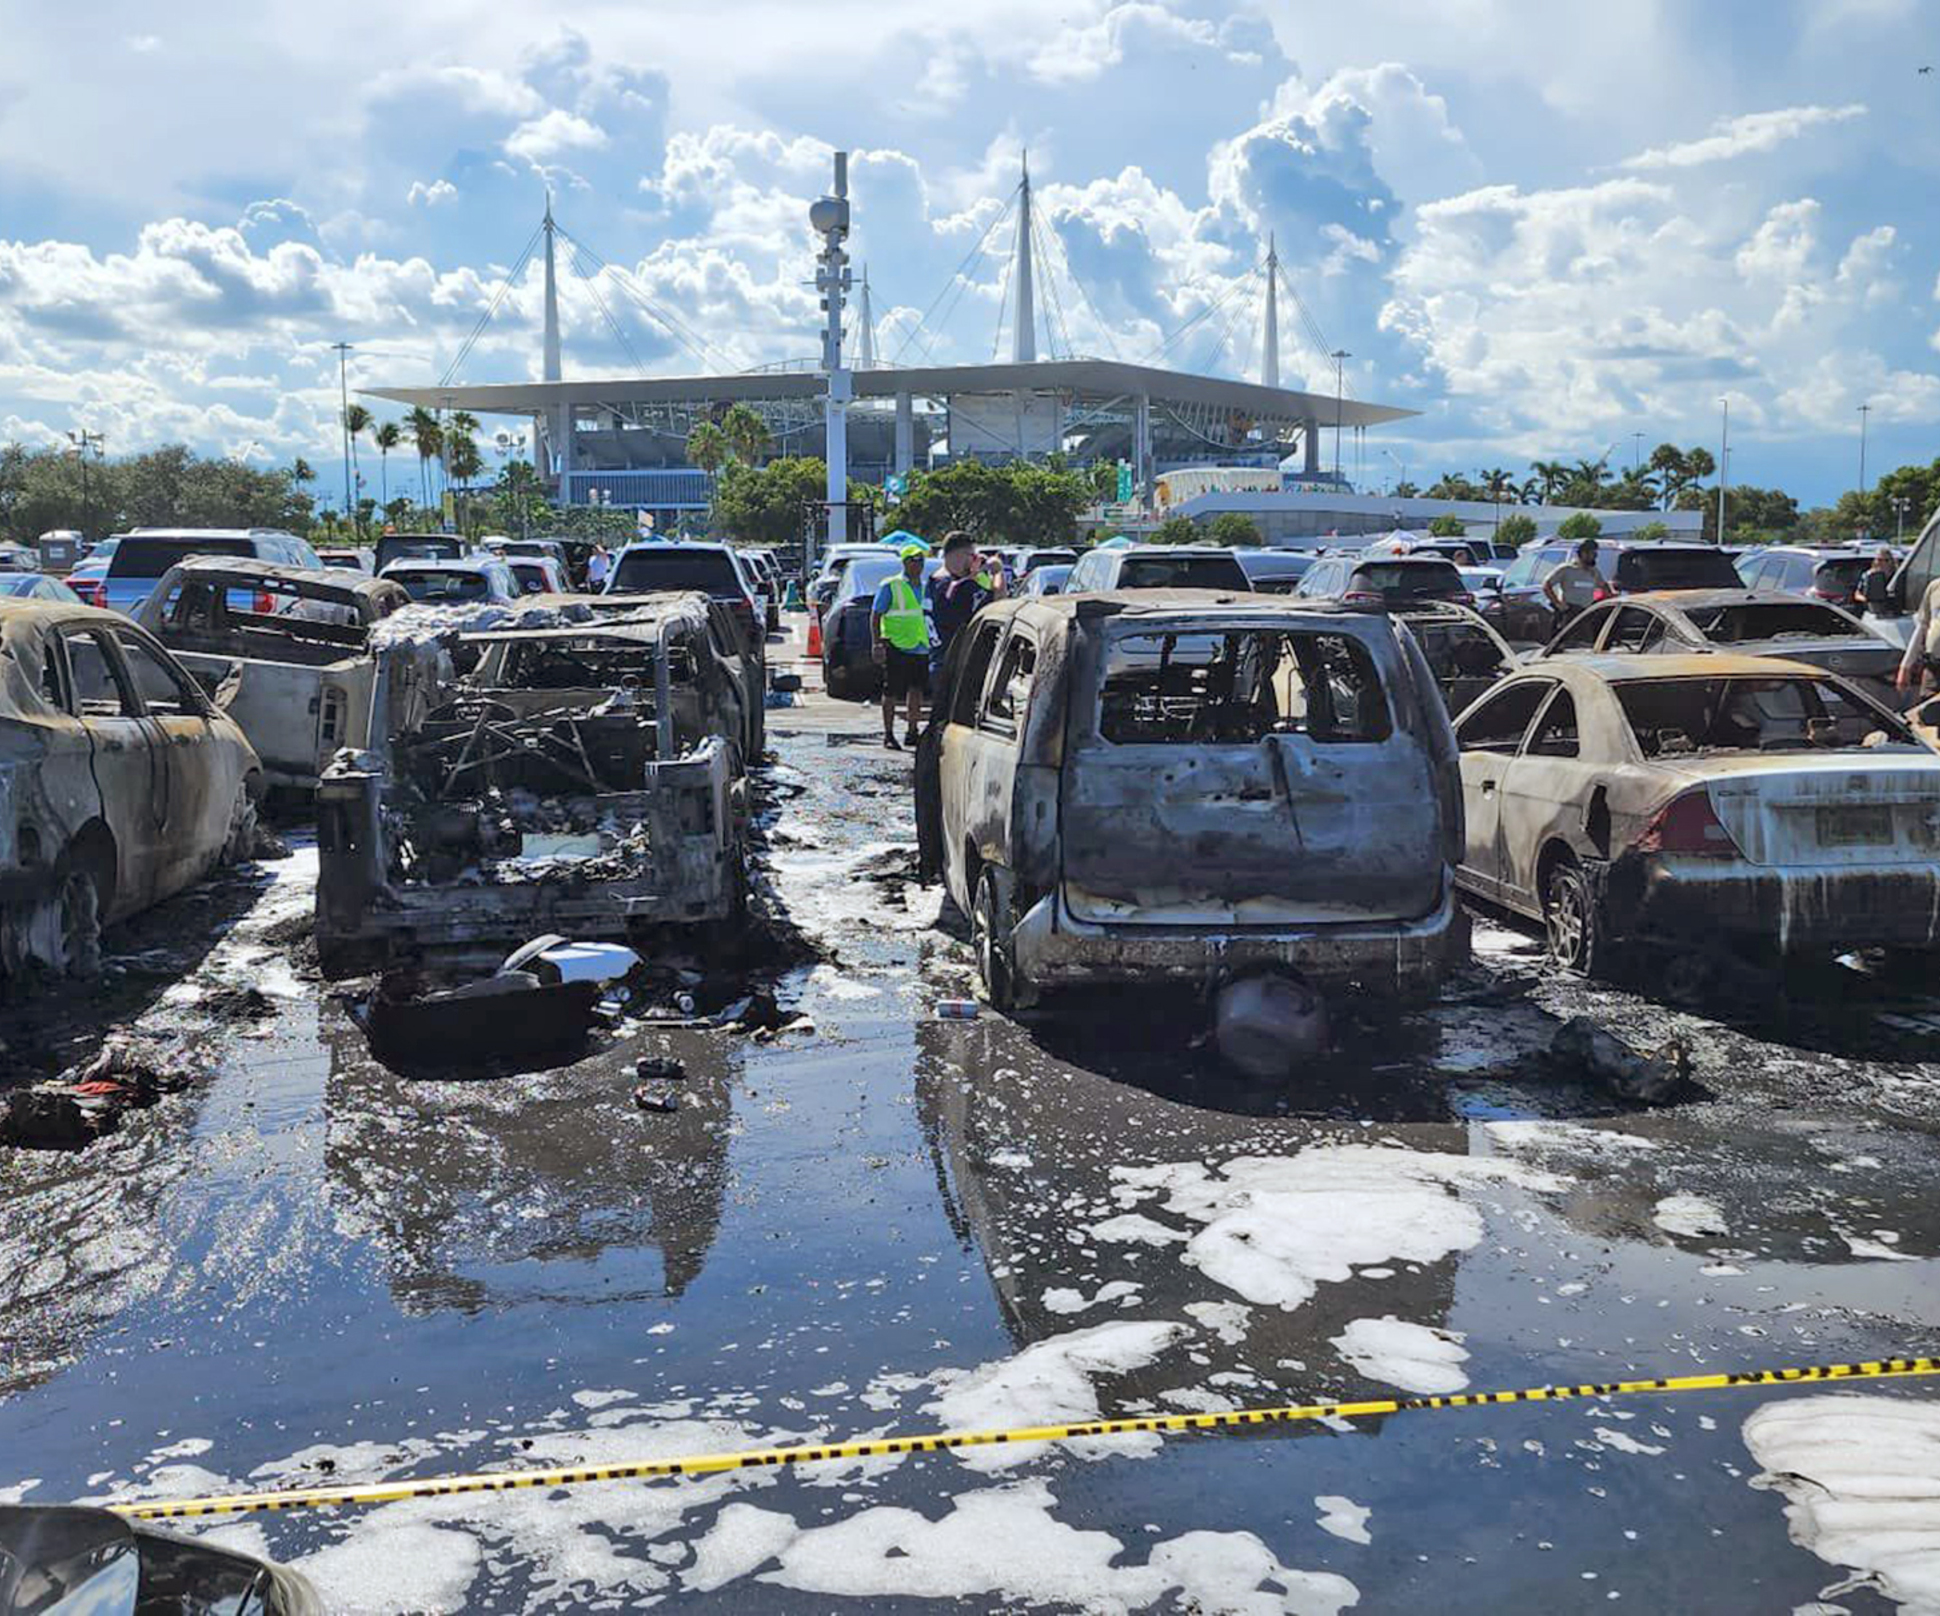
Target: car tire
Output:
[(1573, 919), (835, 682), (992, 946), (239, 846), (78, 933)]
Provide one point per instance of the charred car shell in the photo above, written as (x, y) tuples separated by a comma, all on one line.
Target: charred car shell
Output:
[(1192, 785), (121, 783)]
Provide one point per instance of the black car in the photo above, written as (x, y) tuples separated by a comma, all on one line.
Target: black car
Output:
[(1381, 582), (1275, 572), (1521, 613), (1825, 572)]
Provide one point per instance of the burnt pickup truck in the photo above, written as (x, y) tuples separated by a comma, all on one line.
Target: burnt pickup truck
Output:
[(1188, 785), (121, 782), (293, 643), (569, 774)]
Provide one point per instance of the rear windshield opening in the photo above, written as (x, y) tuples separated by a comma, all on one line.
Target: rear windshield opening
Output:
[(1183, 572), (150, 558), (1736, 625), (1676, 569), (643, 573), (1677, 717), (1214, 688), (1841, 577), (438, 587), (1409, 578), (1459, 651)]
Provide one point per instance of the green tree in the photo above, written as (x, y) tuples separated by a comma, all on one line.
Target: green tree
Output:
[(427, 436), (746, 433), (1578, 527), (1550, 477), (387, 435), (1231, 530), (1178, 530), (772, 504), (1652, 530), (1447, 527), (1515, 529), (1453, 485), (1015, 503), (707, 447)]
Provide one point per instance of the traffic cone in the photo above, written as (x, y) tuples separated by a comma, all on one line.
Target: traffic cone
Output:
[(814, 636)]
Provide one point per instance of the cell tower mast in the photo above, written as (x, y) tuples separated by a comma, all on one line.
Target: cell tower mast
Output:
[(1270, 346), (1024, 340)]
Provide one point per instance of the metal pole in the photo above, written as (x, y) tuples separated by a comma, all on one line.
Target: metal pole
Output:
[(343, 415), (828, 216), (1864, 411), (1636, 451), (1339, 356), (1724, 463)]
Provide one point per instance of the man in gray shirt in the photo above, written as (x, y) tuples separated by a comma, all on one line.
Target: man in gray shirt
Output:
[(1574, 585)]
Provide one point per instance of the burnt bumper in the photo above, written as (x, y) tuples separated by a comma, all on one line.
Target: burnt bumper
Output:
[(1799, 909), (1403, 959)]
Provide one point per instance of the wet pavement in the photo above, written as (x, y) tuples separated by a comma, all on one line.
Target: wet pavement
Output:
[(310, 1269)]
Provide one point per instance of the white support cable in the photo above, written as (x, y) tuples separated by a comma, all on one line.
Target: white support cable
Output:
[(1003, 302), (1233, 289), (1323, 348), (1084, 292), (592, 286), (491, 309), (675, 326), (1055, 303), (1240, 310), (956, 283)]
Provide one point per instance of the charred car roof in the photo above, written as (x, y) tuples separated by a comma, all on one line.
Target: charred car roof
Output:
[(324, 583), (24, 626), (1629, 667)]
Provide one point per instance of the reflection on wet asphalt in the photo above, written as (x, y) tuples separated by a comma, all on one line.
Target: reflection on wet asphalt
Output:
[(314, 1269)]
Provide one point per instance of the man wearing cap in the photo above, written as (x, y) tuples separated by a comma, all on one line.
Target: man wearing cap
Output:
[(899, 638), (956, 593)]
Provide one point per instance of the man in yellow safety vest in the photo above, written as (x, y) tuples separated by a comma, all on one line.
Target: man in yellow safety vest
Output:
[(899, 636)]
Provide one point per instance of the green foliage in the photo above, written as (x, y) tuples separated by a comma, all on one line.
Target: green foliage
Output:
[(1516, 529), (1652, 530), (1446, 527), (707, 447), (41, 489), (1453, 485), (1015, 503), (1230, 530), (746, 434), (1574, 529), (1178, 530), (773, 504)]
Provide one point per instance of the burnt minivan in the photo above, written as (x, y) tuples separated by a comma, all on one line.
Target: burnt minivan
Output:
[(1186, 785)]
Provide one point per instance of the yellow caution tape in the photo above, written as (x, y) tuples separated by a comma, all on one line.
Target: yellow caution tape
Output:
[(714, 1463)]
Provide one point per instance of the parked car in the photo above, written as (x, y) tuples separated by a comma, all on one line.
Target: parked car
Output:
[(355, 559), (1155, 566), (650, 569), (1464, 654), (755, 579), (91, 569), (538, 575), (1522, 614), (36, 586), (453, 583), (763, 567), (1746, 622), (18, 558), (1826, 572), (585, 778), (1162, 785), (289, 648), (1699, 798), (1385, 582), (419, 547), (821, 588), (1044, 581), (1274, 572), (849, 670), (1050, 556), (123, 782), (144, 555)]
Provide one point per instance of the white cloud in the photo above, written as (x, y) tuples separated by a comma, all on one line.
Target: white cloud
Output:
[(143, 44), (553, 134), (1741, 136), (430, 196)]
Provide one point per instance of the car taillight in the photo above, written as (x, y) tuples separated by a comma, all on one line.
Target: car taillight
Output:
[(1462, 597), (93, 591), (264, 605), (1832, 595), (1603, 592), (1361, 597), (1688, 824), (744, 610)]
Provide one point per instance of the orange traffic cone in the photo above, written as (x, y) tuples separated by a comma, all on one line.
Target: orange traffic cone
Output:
[(814, 636)]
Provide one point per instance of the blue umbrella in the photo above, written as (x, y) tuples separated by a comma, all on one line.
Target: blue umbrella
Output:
[(901, 537)]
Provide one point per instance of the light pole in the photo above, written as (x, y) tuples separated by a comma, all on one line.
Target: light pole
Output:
[(1636, 451), (1724, 462), (1339, 356), (85, 442), (1900, 503), (1864, 411), (1400, 464), (343, 421)]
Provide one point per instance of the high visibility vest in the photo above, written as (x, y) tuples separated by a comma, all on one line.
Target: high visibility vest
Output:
[(904, 625)]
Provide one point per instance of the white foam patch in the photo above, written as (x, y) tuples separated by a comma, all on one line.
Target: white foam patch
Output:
[(1861, 1480), (14, 1492), (1064, 1299), (1691, 1216), (1227, 1320), (1344, 1518), (1622, 1442), (1415, 1357), (1050, 1383), (1545, 1134), (834, 984), (1002, 1546), (1272, 1229), (391, 1565)]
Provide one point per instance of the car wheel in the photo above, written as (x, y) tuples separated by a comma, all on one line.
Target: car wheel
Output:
[(239, 846), (991, 943), (836, 683), (1573, 919), (78, 935)]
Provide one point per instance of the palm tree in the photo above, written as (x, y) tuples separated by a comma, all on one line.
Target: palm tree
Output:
[(357, 421), (387, 435), (746, 433), (428, 437), (707, 447), (1551, 475)]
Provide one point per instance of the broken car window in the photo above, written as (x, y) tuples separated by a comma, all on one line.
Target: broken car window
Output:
[(99, 688), (1774, 620), (1011, 694), (1240, 686), (1500, 722), (1677, 717), (161, 691), (1581, 635), (1636, 630), (970, 675), (1457, 650), (1556, 734)]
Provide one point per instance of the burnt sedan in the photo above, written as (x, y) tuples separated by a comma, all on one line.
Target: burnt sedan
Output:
[(1699, 799)]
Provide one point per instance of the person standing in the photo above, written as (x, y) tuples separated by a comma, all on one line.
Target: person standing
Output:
[(597, 568), (1920, 667), (1876, 586), (960, 589), (1574, 585), (899, 639)]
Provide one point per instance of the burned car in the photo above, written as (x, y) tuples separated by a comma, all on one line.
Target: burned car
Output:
[(296, 644), (1189, 785), (570, 774), (1700, 799), (1464, 654), (121, 782)]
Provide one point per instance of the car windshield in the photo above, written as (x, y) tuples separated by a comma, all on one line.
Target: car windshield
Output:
[(150, 558), (1458, 650), (865, 575), (1841, 577), (436, 588), (1211, 688), (1261, 565), (1408, 577), (1774, 620), (642, 572), (1745, 713), (1182, 572), (1688, 568)]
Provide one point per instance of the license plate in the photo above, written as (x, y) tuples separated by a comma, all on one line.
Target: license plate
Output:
[(1855, 826)]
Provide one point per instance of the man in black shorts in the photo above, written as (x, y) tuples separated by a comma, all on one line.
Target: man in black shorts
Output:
[(899, 638)]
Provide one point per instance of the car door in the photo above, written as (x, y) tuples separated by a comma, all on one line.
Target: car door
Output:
[(991, 753), (1637, 629), (128, 771), (1583, 635), (197, 766), (1488, 738), (1545, 793), (960, 753)]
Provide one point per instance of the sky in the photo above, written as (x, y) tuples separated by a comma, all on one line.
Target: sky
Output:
[(1546, 225)]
